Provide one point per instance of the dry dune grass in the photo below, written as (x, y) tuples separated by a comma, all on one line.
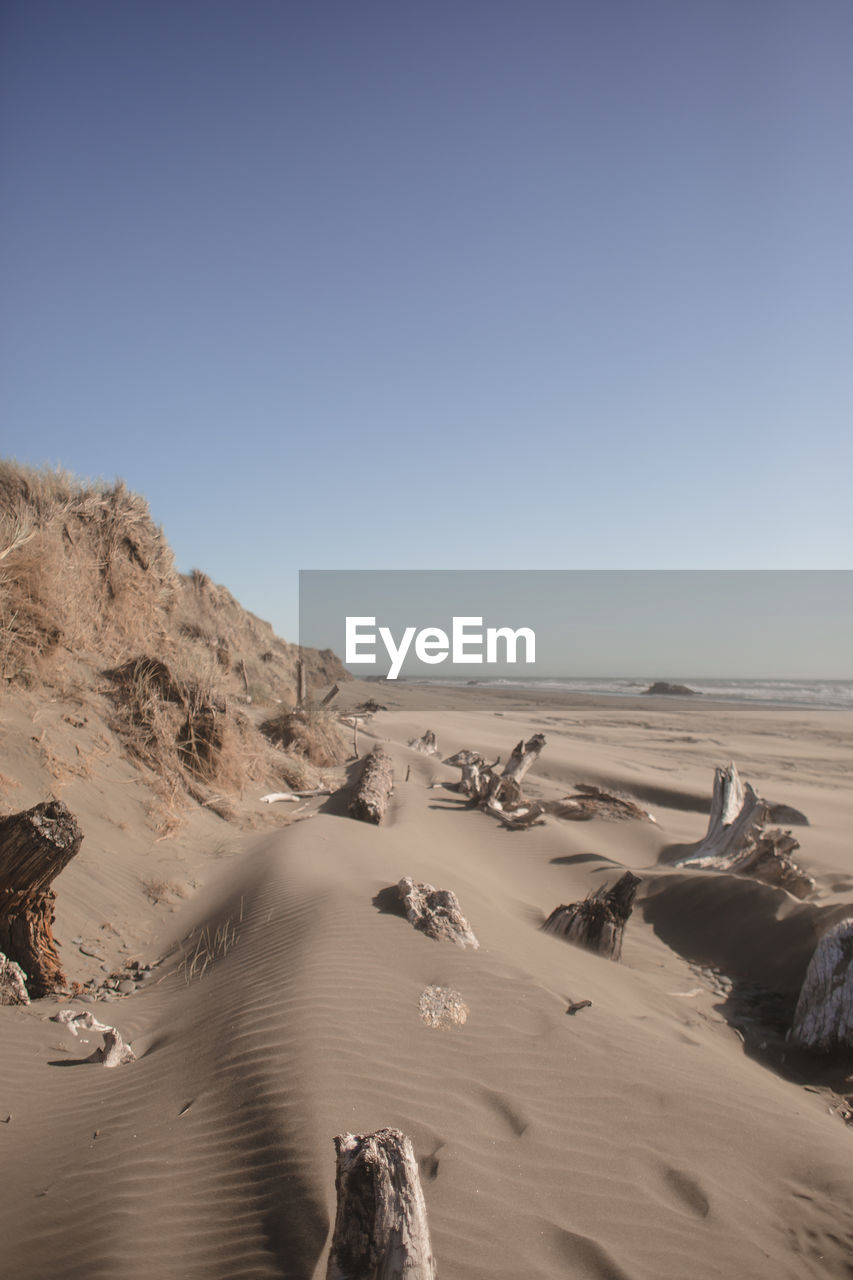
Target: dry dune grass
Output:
[(88, 587), (311, 732)]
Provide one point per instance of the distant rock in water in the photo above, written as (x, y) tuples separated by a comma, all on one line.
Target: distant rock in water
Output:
[(663, 686)]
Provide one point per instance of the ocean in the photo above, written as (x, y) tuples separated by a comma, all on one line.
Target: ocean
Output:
[(827, 694)]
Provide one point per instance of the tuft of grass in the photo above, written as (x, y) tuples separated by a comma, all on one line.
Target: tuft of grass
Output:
[(206, 945), (310, 731)]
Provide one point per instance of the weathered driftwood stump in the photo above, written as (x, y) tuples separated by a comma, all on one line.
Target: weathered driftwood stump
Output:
[(381, 1230), (13, 987), (737, 841), (500, 793), (426, 743), (436, 912), (374, 787), (505, 791), (823, 1019), (34, 847), (597, 923)]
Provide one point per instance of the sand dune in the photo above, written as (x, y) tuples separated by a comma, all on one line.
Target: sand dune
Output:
[(637, 1138)]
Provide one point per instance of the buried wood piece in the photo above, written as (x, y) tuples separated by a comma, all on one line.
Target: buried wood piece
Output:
[(13, 987), (823, 1018), (598, 922), (381, 1230), (436, 912), (374, 787), (593, 802), (35, 845), (736, 840), (426, 743)]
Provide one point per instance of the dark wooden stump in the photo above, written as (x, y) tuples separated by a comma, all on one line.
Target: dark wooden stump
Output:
[(373, 790), (34, 847), (598, 922), (381, 1230)]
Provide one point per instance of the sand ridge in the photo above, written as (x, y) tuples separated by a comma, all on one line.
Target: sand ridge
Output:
[(635, 1138)]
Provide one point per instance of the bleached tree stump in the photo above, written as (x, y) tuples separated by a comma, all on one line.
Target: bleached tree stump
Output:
[(426, 743), (505, 792), (436, 912), (737, 841), (381, 1230), (35, 845), (500, 793), (374, 787), (823, 1019), (13, 987), (598, 922)]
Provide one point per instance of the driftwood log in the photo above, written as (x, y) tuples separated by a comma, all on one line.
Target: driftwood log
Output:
[(35, 845), (13, 988), (381, 1230), (436, 912), (426, 743), (374, 787), (823, 1019), (598, 922), (737, 840)]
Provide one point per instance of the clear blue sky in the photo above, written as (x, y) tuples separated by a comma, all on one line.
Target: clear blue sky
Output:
[(563, 284)]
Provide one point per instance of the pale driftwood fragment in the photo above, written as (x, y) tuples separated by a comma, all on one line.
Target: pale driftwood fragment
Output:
[(823, 1019), (301, 690), (77, 1022), (426, 743), (35, 845), (442, 1007), (436, 912), (13, 986), (381, 1230), (114, 1052), (736, 840), (476, 773), (374, 787), (598, 922), (275, 796)]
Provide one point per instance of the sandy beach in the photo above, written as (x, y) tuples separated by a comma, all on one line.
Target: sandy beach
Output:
[(661, 1131)]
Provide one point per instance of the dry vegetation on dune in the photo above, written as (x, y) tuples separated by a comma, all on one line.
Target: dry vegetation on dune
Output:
[(89, 594)]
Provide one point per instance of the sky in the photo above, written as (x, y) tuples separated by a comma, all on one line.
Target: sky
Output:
[(467, 284)]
